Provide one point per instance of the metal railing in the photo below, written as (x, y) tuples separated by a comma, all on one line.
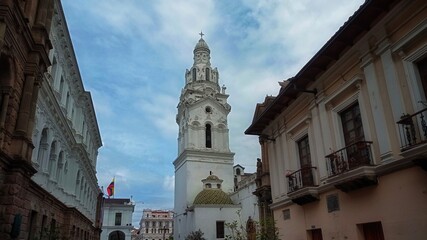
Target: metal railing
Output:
[(350, 157), (413, 129), (301, 178)]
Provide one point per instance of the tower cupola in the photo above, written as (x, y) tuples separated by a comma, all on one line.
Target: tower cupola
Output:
[(201, 71)]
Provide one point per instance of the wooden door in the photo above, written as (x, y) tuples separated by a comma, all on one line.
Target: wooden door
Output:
[(353, 133), (373, 231)]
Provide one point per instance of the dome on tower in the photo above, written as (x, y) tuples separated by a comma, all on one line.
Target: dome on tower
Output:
[(212, 193), (202, 45), (212, 177), (212, 196)]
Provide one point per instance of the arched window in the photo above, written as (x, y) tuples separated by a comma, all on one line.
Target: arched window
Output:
[(59, 167), (76, 190), (53, 69), (43, 145), (238, 171), (61, 87), (52, 160), (208, 136), (194, 74), (67, 103), (208, 74)]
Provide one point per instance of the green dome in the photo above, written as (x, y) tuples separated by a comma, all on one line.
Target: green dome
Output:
[(212, 177), (212, 196)]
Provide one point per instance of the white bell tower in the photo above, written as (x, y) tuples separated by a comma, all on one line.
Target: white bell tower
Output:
[(203, 143)]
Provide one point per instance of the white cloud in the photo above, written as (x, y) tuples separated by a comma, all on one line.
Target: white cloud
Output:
[(133, 55), (160, 109), (169, 183)]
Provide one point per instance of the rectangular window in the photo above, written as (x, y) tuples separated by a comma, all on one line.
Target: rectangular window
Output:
[(118, 219), (52, 229), (332, 202), (219, 229), (44, 220), (32, 225), (286, 214)]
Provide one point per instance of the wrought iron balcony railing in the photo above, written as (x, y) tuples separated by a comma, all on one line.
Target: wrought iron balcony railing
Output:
[(348, 158), (301, 178), (413, 129)]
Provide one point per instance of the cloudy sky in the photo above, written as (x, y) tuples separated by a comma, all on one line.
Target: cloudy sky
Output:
[(133, 55)]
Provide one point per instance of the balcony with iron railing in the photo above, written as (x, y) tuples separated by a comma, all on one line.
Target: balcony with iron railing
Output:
[(301, 185), (350, 167), (413, 136)]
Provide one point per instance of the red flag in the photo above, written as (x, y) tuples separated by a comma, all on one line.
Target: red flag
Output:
[(110, 189)]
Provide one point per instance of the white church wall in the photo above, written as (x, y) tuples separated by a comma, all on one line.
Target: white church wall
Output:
[(249, 202), (208, 216)]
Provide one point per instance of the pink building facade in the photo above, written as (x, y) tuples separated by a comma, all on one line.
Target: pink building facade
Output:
[(344, 143)]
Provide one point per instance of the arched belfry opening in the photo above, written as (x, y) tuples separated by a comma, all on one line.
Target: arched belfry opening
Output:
[(208, 136), (208, 71), (194, 74)]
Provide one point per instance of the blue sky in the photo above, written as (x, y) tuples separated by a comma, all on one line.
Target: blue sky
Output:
[(133, 54)]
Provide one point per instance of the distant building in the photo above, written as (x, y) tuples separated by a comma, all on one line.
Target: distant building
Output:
[(49, 136), (344, 143), (156, 225), (243, 194), (117, 223)]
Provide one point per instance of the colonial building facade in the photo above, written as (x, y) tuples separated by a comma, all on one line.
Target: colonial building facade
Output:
[(117, 219), (49, 133), (344, 141)]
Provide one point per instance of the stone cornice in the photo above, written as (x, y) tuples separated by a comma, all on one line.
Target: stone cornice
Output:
[(66, 56), (190, 155)]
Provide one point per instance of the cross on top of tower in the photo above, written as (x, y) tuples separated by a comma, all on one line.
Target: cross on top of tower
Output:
[(201, 34)]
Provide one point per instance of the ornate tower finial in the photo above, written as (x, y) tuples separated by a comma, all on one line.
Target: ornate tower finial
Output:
[(201, 34)]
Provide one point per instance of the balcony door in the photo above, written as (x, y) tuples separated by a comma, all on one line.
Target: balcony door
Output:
[(422, 69), (305, 162), (353, 134)]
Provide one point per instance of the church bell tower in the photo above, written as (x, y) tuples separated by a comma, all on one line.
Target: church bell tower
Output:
[(203, 141)]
